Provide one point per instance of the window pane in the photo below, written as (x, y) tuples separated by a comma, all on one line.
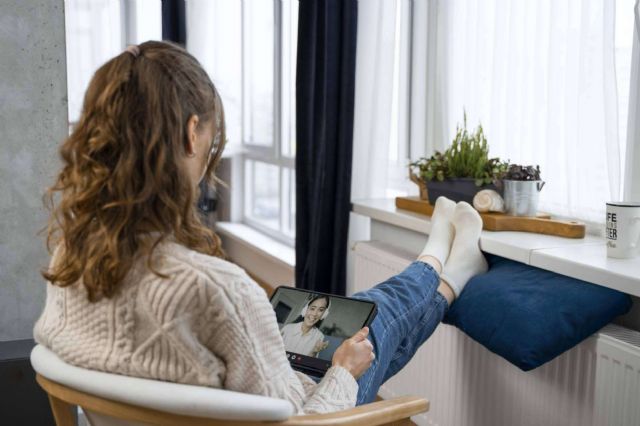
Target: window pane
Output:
[(397, 182), (291, 229), (544, 90), (289, 202), (623, 42), (93, 34), (289, 49), (262, 193), (148, 21), (214, 37), (258, 71)]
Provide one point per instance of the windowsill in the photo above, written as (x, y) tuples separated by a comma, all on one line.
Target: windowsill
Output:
[(232, 150), (583, 259), (267, 246), (268, 261)]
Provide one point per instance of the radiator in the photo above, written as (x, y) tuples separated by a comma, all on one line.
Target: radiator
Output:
[(595, 383)]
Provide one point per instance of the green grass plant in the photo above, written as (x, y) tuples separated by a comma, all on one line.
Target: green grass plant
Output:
[(467, 157)]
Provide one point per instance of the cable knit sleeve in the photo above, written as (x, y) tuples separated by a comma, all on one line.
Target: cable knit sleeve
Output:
[(248, 341)]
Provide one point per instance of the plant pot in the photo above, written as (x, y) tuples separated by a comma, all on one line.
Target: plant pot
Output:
[(521, 197), (457, 189)]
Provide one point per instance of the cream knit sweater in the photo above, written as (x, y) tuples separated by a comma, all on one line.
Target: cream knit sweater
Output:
[(208, 324)]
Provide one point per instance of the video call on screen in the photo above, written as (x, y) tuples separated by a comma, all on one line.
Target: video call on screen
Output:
[(314, 325)]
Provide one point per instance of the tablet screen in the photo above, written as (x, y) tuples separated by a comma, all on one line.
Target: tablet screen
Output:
[(313, 325)]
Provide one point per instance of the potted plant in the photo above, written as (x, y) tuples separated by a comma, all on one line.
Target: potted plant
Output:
[(460, 171), (521, 187)]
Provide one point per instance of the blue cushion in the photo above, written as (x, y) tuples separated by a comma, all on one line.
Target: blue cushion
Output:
[(528, 315)]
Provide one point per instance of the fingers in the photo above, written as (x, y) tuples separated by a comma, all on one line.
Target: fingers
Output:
[(360, 338), (366, 343), (361, 335)]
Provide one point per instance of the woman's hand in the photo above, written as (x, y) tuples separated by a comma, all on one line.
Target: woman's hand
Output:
[(320, 346), (355, 354)]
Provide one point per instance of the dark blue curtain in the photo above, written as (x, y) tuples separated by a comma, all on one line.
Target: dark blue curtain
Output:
[(325, 85), (174, 27)]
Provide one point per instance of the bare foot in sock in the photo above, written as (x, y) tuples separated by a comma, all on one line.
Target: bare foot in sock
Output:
[(442, 232), (465, 259)]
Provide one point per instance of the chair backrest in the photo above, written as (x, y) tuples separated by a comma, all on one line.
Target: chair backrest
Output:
[(173, 398)]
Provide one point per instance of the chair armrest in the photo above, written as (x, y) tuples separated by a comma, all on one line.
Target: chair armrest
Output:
[(376, 413), (394, 411)]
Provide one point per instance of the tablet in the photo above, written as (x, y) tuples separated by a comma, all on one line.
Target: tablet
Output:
[(314, 324)]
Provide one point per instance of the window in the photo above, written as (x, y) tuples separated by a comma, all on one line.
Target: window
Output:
[(549, 81), (399, 144), (93, 35), (96, 31), (623, 44), (249, 47)]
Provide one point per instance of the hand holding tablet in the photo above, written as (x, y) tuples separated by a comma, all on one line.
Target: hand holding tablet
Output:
[(314, 326), (355, 354)]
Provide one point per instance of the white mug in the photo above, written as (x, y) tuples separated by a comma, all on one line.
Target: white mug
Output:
[(623, 229)]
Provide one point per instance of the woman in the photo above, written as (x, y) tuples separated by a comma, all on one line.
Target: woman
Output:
[(304, 336), (137, 286)]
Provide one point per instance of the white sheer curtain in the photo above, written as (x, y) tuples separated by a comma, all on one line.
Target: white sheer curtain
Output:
[(375, 50), (540, 75), (375, 53), (632, 174), (214, 36), (97, 30), (548, 80), (93, 35), (143, 20)]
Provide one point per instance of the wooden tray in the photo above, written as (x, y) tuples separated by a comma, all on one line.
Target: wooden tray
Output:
[(542, 224)]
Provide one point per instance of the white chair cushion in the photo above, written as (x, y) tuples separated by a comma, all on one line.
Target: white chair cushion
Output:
[(174, 398)]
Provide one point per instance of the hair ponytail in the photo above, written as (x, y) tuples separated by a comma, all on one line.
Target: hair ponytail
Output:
[(121, 177)]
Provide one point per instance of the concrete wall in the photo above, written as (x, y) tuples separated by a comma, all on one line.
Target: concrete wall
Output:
[(33, 122)]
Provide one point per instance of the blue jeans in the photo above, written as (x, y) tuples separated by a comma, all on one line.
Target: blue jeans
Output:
[(409, 310)]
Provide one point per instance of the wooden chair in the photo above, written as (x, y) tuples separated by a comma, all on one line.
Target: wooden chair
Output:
[(108, 397)]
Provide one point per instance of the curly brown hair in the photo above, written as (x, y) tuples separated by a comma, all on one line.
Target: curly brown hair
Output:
[(121, 179)]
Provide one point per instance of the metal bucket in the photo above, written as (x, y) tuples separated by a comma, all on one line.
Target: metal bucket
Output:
[(521, 197)]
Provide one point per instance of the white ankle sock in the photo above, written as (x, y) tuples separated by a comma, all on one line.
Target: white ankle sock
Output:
[(442, 232), (465, 259)]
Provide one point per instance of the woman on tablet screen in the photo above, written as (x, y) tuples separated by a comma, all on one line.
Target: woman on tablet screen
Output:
[(138, 286), (303, 336)]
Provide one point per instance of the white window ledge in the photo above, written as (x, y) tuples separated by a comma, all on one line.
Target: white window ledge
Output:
[(584, 258), (260, 255), (233, 150)]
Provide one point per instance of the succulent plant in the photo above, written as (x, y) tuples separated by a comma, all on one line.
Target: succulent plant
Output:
[(518, 172), (467, 157)]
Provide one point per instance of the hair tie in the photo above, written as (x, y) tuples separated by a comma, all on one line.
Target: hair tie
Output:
[(133, 49)]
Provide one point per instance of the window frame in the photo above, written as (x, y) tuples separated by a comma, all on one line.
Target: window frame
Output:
[(130, 21), (413, 145), (405, 149), (271, 155)]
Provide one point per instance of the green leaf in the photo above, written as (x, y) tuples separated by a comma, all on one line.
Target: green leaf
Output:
[(468, 156)]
